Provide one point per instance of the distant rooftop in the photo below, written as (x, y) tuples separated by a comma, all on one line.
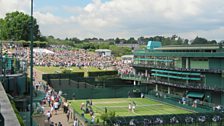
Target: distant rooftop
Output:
[(40, 50), (189, 47), (102, 50), (153, 44), (127, 56)]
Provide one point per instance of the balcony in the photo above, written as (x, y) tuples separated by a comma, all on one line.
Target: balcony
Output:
[(176, 68), (10, 66), (153, 80), (179, 54)]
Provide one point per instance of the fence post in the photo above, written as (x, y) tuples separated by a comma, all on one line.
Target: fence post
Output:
[(60, 79), (69, 78)]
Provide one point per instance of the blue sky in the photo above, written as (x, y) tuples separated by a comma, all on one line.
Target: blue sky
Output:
[(55, 5), (81, 3), (124, 18)]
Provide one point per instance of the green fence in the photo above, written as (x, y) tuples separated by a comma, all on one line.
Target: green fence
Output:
[(47, 77), (175, 100), (26, 119), (197, 119), (15, 84), (86, 82), (102, 73), (110, 92)]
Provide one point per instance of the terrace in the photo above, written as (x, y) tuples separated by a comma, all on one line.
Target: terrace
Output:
[(170, 82)]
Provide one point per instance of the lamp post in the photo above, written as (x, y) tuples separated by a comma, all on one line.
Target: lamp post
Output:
[(31, 65), (1, 59)]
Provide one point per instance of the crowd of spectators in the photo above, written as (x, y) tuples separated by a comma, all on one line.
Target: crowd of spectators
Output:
[(66, 57)]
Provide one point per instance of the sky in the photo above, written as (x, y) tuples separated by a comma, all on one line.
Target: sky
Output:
[(124, 18)]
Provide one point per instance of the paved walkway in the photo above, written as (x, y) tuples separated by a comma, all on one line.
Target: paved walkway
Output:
[(60, 117)]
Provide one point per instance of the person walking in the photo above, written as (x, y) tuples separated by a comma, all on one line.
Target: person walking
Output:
[(48, 116), (129, 106), (133, 106), (65, 106), (75, 122), (105, 109), (52, 124), (59, 124), (68, 115), (56, 107)]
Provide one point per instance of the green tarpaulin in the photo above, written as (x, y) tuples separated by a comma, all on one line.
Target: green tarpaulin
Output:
[(195, 95)]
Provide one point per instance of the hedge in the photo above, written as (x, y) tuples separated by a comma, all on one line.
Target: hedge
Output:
[(102, 73), (62, 75)]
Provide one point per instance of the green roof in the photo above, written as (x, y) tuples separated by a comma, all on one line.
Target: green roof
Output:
[(188, 47), (195, 95), (148, 59), (176, 72), (153, 44), (176, 77)]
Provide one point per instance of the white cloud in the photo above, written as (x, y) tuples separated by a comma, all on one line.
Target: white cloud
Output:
[(127, 18), (48, 19), (7, 6)]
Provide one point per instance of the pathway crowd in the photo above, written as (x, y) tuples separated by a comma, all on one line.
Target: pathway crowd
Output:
[(55, 106)]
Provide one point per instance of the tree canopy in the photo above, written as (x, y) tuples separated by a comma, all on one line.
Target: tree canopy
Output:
[(16, 26), (199, 40)]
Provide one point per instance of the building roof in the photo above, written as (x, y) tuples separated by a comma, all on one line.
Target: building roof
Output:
[(40, 50), (102, 50), (153, 44), (189, 47), (127, 56)]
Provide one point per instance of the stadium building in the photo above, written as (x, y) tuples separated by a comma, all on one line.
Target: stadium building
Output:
[(192, 71)]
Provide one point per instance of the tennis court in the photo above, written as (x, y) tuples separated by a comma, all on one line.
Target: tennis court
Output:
[(143, 106)]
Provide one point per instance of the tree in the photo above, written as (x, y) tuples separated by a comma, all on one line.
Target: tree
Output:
[(199, 40), (16, 26), (117, 41), (131, 41), (212, 42), (186, 41)]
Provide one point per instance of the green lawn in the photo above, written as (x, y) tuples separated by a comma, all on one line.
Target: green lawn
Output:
[(52, 69), (120, 106)]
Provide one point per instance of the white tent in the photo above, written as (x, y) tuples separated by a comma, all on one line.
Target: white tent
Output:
[(39, 50), (103, 52)]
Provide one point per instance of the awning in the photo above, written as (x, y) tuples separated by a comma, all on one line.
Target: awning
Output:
[(195, 95)]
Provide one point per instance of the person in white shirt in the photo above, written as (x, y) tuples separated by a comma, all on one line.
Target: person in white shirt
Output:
[(56, 107), (48, 116), (75, 122), (129, 106)]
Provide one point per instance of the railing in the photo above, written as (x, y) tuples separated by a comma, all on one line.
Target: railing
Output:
[(176, 100), (178, 54), (13, 66), (153, 80), (176, 68), (82, 120)]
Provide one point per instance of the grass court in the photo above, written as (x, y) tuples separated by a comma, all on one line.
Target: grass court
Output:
[(144, 106), (52, 69)]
